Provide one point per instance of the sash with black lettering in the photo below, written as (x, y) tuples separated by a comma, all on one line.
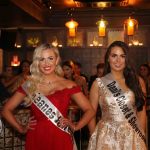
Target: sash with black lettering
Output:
[(46, 107), (120, 98)]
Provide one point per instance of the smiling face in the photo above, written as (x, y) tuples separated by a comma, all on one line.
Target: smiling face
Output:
[(48, 62), (117, 59)]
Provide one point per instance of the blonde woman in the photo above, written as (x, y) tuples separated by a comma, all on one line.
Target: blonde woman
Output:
[(49, 95)]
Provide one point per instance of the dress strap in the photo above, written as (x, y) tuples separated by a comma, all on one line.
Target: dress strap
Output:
[(101, 85)]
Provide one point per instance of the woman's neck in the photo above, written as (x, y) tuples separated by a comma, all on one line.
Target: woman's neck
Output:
[(117, 75), (49, 78)]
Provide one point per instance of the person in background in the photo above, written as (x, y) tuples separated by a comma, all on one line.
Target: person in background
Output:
[(120, 95), (77, 70), (144, 72), (24, 73), (49, 94), (99, 73), (8, 78), (69, 73), (67, 67)]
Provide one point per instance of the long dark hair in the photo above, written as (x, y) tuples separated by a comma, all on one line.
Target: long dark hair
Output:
[(70, 64), (131, 78)]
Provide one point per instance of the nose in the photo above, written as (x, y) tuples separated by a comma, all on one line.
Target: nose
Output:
[(46, 61), (118, 59)]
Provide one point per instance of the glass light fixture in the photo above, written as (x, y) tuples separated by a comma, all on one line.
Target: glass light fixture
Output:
[(15, 61), (18, 43), (130, 25), (72, 26), (102, 27), (33, 41)]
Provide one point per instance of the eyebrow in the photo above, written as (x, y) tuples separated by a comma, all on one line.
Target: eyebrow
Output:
[(47, 57), (117, 54)]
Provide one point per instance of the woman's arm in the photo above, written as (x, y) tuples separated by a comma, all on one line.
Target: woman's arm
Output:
[(142, 118), (8, 109), (94, 95), (86, 107), (85, 87), (81, 81)]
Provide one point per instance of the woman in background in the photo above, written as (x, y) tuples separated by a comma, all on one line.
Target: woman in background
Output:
[(144, 72), (8, 78), (69, 73), (24, 73)]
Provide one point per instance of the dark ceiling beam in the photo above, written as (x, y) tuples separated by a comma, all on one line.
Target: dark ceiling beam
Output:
[(31, 8), (143, 5)]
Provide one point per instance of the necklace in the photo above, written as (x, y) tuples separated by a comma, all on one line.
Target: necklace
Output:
[(45, 87), (48, 86)]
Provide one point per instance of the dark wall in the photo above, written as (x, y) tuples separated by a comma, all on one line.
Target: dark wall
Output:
[(88, 56), (7, 39)]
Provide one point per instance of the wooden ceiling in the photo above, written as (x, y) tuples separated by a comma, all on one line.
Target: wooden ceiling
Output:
[(39, 13), (95, 3)]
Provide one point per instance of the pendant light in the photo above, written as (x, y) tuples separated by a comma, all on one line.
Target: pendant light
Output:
[(72, 26), (102, 27), (130, 25)]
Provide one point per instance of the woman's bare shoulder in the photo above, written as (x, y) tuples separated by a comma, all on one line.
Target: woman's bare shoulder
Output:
[(141, 80), (95, 84), (69, 83)]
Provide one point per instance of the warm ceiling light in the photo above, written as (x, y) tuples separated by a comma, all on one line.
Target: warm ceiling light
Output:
[(134, 2), (72, 25), (33, 41), (130, 25), (15, 61), (103, 4), (18, 43), (102, 27)]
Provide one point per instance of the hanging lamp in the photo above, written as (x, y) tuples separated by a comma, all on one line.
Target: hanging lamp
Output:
[(15, 61), (72, 26), (130, 25), (102, 27)]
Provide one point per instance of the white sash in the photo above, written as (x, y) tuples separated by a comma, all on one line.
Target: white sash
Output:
[(46, 107), (120, 98)]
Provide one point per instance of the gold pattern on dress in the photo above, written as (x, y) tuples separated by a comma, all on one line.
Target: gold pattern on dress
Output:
[(113, 132)]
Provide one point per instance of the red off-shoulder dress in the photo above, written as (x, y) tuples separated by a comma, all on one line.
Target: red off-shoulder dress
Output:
[(46, 136)]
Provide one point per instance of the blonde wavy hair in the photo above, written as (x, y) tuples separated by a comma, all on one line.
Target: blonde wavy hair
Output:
[(34, 68)]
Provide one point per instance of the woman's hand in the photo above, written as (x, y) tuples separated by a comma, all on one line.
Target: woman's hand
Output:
[(29, 126), (67, 122)]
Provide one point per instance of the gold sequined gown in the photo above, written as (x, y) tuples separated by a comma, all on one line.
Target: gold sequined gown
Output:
[(113, 132)]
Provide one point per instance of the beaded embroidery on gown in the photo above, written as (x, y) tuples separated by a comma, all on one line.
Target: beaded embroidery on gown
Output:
[(113, 132)]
